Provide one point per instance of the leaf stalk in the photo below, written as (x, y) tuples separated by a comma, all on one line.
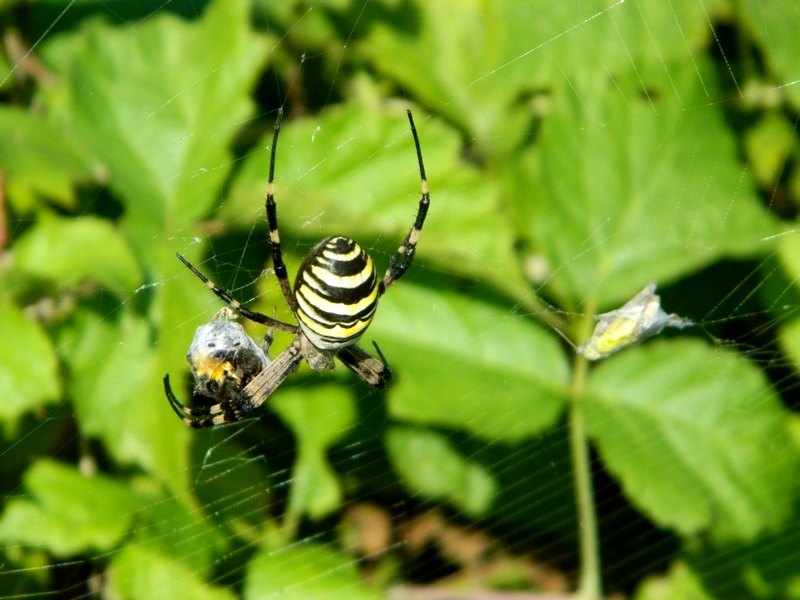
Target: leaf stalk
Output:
[(589, 583)]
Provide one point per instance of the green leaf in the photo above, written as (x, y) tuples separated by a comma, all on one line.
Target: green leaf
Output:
[(68, 513), (159, 102), (495, 53), (431, 467), (69, 251), (115, 385), (182, 532), (28, 365), (683, 426), (776, 35), (650, 35), (679, 584), (319, 416), (353, 171), (464, 363), (635, 194), (305, 571), (38, 158), (444, 70), (143, 573)]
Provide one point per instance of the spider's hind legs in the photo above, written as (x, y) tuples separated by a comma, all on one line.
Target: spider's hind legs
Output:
[(369, 369)]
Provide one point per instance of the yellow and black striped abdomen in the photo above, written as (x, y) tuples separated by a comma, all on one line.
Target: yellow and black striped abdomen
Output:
[(336, 292)]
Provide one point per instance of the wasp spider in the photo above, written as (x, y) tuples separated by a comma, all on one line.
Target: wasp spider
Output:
[(334, 299)]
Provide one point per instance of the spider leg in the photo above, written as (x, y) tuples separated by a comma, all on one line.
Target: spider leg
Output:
[(401, 259), (203, 417), (269, 335), (368, 368), (248, 314), (187, 415), (272, 220), (261, 387)]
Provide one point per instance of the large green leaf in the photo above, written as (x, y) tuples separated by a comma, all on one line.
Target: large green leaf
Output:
[(679, 584), (491, 54), (634, 194), (696, 436), (159, 103), (143, 573), (70, 250), (181, 531), (353, 171), (443, 70), (28, 365), (69, 513), (115, 385), (305, 571), (319, 417), (430, 466), (469, 364), (38, 158)]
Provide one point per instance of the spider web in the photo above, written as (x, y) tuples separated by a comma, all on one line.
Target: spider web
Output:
[(575, 152)]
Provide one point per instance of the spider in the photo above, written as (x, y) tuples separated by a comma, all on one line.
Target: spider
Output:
[(335, 296)]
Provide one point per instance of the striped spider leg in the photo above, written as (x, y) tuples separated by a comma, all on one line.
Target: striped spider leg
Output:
[(335, 296)]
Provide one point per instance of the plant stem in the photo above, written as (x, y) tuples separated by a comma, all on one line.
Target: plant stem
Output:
[(589, 584)]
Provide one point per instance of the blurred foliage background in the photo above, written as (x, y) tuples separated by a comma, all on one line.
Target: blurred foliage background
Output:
[(575, 151)]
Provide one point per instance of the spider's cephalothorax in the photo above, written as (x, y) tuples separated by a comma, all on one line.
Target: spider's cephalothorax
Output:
[(334, 300)]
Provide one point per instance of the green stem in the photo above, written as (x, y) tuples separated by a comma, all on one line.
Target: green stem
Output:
[(589, 584)]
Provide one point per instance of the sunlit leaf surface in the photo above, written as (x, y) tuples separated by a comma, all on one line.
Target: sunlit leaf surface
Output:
[(28, 367), (431, 467), (159, 104), (646, 198), (695, 451), (319, 416), (305, 570), (465, 363), (68, 512)]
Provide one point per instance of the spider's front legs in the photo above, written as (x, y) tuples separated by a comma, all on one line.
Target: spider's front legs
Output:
[(272, 220), (193, 417), (401, 259), (204, 417), (256, 317)]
